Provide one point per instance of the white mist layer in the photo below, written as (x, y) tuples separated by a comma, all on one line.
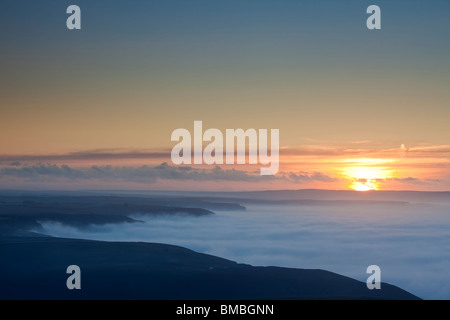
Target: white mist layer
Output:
[(411, 244)]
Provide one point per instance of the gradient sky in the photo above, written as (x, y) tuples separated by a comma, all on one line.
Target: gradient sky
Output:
[(110, 95)]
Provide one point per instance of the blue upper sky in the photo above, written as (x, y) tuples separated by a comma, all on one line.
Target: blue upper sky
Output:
[(140, 69)]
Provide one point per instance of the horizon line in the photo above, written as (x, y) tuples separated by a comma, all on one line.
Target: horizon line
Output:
[(215, 191)]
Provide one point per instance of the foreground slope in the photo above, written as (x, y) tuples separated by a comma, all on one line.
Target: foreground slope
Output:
[(35, 268)]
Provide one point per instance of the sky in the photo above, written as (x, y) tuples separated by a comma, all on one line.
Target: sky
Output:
[(95, 108)]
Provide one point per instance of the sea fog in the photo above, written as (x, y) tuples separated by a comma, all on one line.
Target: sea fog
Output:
[(409, 242)]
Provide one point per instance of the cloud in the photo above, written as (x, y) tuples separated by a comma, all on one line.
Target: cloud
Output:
[(306, 177), (151, 174), (306, 150), (430, 151), (128, 173), (413, 180), (323, 165), (98, 154), (407, 242)]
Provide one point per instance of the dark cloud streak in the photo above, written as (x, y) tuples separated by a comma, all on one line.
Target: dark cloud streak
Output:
[(146, 174), (100, 154)]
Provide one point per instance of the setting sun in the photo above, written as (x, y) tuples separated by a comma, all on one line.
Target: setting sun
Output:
[(366, 177), (364, 186)]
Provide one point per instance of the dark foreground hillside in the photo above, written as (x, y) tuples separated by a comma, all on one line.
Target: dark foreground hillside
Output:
[(35, 268)]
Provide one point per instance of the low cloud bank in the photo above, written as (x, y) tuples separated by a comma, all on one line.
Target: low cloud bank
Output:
[(411, 244)]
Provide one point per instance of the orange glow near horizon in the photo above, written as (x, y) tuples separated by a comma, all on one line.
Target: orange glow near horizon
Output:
[(423, 169), (366, 177), (364, 186)]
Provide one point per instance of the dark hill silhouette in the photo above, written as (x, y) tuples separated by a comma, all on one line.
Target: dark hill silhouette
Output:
[(35, 268)]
